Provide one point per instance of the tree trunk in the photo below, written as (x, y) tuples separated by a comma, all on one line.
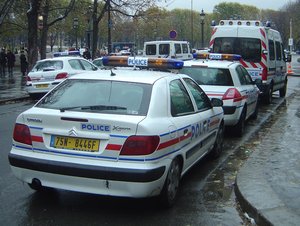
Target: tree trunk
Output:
[(32, 16)]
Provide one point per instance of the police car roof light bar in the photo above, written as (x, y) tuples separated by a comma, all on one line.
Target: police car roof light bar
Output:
[(143, 62), (217, 56), (67, 53)]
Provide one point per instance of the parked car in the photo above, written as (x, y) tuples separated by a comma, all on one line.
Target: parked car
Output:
[(47, 73), (223, 77), (118, 132)]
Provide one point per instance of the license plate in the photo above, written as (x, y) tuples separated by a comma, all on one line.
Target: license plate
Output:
[(42, 86), (75, 143)]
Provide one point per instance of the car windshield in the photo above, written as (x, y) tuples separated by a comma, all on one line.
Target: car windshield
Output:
[(209, 76), (48, 65), (111, 97)]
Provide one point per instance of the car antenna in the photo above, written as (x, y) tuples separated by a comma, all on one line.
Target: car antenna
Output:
[(112, 73)]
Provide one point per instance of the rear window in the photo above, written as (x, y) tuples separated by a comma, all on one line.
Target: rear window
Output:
[(50, 65), (110, 97), (248, 48), (209, 76)]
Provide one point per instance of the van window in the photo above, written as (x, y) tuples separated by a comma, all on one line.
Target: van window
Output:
[(278, 51), (271, 50), (185, 48), (248, 48), (164, 49), (151, 49), (177, 48)]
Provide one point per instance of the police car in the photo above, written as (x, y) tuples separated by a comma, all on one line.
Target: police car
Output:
[(47, 73), (223, 77), (118, 132)]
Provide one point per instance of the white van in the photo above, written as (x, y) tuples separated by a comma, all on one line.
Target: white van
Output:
[(261, 50), (167, 49)]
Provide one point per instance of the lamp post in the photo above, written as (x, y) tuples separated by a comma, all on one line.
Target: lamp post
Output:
[(202, 16), (192, 24), (75, 26)]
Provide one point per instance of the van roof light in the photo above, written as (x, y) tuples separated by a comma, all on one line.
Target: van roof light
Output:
[(67, 53), (143, 62), (217, 56)]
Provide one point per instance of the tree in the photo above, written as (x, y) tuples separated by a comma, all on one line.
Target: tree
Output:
[(4, 9)]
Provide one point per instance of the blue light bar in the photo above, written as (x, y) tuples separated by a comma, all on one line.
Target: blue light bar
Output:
[(67, 53), (143, 62)]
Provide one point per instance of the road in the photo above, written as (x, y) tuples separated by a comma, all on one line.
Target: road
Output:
[(206, 196)]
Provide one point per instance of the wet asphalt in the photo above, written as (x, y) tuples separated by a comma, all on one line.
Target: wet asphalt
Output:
[(267, 186)]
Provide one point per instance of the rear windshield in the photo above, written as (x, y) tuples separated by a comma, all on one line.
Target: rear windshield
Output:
[(110, 97), (209, 76), (48, 65), (248, 48)]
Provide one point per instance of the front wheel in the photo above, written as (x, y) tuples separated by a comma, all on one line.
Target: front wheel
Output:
[(268, 96), (171, 186), (218, 146), (282, 91)]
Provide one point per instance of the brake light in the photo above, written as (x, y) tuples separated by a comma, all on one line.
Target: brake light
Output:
[(232, 93), (140, 145), (61, 75), (22, 134), (264, 74)]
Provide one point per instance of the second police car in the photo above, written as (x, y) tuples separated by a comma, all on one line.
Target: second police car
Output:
[(222, 76), (118, 132), (47, 73)]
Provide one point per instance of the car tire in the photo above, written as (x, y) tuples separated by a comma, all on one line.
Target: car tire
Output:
[(255, 113), (268, 96), (282, 91), (218, 146), (240, 126), (170, 190)]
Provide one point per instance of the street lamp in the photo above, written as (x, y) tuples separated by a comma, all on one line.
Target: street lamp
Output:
[(75, 26), (202, 16)]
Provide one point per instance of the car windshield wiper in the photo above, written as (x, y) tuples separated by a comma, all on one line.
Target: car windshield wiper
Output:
[(94, 107)]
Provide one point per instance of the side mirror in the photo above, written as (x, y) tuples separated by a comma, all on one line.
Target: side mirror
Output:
[(257, 81), (216, 102)]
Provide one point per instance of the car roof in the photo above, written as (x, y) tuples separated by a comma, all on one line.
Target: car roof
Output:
[(128, 75), (211, 63), (64, 58)]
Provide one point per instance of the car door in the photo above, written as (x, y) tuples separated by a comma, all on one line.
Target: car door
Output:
[(247, 89)]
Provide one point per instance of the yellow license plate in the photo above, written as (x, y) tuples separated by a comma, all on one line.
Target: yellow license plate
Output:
[(75, 143), (42, 86)]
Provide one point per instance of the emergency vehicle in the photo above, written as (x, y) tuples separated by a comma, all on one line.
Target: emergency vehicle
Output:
[(261, 50), (118, 131), (167, 49)]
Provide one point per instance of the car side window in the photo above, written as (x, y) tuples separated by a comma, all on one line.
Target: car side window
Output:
[(87, 66), (75, 64), (201, 99), (243, 75), (181, 103)]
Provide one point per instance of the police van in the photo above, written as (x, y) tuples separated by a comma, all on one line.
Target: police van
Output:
[(167, 49), (261, 50)]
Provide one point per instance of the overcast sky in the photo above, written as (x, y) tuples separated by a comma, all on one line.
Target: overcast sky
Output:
[(208, 5)]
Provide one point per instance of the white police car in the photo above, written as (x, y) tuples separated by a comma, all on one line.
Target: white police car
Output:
[(118, 132), (47, 73), (222, 76)]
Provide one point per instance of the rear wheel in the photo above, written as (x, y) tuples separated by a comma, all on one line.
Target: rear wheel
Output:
[(171, 186), (218, 146), (282, 91), (240, 126), (268, 96)]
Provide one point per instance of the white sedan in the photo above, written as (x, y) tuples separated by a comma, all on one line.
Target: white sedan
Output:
[(118, 132), (223, 77), (47, 73)]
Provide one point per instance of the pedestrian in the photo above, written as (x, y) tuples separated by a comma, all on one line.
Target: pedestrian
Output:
[(24, 63), (87, 54), (3, 61), (11, 59)]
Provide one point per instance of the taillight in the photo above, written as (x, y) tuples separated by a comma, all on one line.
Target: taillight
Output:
[(61, 75), (264, 74), (22, 134), (140, 145), (232, 93), (28, 79)]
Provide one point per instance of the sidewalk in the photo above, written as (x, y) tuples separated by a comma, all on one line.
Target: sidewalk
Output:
[(12, 87), (268, 184)]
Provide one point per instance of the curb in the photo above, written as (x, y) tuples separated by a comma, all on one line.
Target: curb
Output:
[(14, 100)]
